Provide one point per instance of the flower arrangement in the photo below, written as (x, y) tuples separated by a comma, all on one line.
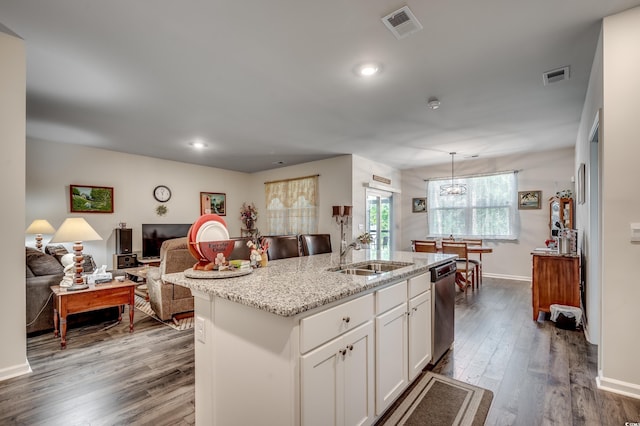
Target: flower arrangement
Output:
[(248, 215), (258, 252), (364, 238)]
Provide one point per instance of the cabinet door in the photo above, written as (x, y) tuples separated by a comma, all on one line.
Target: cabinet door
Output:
[(358, 376), (419, 333), (337, 381), (391, 356), (321, 385)]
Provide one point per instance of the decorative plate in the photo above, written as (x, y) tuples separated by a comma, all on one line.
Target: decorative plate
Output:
[(229, 273)]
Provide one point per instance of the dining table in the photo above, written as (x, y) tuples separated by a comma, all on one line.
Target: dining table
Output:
[(474, 249)]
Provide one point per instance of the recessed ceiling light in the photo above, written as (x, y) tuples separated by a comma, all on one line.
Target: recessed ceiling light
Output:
[(368, 69), (198, 144)]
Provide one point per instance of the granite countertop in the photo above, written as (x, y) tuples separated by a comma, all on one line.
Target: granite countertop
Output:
[(288, 287)]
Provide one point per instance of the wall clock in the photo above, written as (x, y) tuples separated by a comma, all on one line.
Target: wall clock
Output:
[(162, 193)]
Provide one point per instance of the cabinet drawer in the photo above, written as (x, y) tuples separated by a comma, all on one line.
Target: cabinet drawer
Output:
[(391, 297), (419, 284), (326, 325)]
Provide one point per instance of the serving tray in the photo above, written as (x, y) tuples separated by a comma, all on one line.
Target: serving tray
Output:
[(228, 273)]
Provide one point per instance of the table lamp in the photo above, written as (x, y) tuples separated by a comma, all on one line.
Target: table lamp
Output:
[(76, 230), (39, 227)]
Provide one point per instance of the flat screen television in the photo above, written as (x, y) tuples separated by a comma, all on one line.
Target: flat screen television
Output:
[(154, 234)]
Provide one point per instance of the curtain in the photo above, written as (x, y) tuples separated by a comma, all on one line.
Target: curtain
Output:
[(292, 206)]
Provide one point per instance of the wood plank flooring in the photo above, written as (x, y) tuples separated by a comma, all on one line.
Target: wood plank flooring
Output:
[(540, 375)]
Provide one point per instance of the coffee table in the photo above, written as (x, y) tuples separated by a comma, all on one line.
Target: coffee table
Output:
[(98, 296)]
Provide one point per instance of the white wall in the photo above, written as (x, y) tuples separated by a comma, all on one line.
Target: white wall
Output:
[(620, 345), (546, 171), (13, 353), (334, 185), (52, 167), (584, 217), (363, 171)]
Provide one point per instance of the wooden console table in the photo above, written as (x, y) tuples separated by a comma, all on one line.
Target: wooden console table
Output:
[(555, 280), (95, 297)]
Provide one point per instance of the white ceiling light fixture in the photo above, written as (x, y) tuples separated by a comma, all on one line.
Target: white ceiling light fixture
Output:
[(198, 144), (453, 188), (368, 69), (433, 102)]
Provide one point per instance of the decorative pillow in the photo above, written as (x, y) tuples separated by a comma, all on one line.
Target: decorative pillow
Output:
[(56, 249), (41, 263)]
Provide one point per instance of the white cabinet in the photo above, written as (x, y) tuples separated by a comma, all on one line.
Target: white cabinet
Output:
[(403, 337), (420, 350), (391, 356), (337, 380)]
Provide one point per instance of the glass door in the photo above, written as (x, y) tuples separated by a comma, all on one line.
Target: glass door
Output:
[(379, 218)]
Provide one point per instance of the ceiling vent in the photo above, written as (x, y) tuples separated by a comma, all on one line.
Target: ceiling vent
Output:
[(402, 23), (556, 75)]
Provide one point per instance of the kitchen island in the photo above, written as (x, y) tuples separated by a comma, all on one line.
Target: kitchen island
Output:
[(295, 343)]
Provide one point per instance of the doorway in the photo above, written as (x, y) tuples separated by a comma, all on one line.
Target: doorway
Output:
[(379, 219)]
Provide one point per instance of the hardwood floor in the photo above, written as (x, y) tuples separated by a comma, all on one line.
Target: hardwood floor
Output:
[(539, 374)]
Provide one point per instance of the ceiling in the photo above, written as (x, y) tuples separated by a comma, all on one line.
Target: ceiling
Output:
[(267, 84)]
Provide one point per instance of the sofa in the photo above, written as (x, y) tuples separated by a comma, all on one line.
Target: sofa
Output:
[(167, 299), (43, 270)]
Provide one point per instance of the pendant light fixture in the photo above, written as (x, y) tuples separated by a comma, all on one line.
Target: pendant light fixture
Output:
[(453, 188)]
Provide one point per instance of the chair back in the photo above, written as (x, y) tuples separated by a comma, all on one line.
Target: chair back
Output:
[(175, 256), (315, 244), (455, 247), (424, 246), (282, 246), (240, 249), (473, 241)]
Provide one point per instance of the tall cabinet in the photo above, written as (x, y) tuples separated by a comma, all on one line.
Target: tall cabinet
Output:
[(556, 280)]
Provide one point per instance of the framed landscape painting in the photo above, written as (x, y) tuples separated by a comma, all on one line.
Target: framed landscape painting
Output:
[(529, 200), (90, 199), (213, 202)]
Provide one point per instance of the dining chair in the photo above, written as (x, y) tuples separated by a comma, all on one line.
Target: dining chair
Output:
[(424, 246), (465, 274), (315, 244), (282, 246), (476, 262)]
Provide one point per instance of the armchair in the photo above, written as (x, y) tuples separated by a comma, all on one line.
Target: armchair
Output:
[(167, 299)]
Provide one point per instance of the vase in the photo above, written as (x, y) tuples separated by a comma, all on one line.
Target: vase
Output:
[(264, 260), (248, 223)]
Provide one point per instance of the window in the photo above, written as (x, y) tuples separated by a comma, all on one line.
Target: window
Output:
[(292, 206), (487, 210)]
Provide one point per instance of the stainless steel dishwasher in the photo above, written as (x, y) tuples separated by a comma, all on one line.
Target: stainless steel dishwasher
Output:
[(443, 290)]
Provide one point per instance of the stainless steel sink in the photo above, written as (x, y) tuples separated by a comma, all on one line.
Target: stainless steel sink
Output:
[(371, 267), (353, 271)]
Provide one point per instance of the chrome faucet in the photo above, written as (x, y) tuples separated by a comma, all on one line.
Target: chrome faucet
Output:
[(343, 252)]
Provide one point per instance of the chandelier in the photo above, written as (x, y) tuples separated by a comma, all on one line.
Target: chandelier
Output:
[(453, 188)]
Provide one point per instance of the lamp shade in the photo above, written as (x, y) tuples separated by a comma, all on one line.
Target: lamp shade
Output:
[(40, 226), (75, 229)]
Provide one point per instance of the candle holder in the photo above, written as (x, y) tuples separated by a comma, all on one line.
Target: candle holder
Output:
[(342, 215)]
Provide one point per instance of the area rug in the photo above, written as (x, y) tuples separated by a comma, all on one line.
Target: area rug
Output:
[(439, 400), (177, 324)]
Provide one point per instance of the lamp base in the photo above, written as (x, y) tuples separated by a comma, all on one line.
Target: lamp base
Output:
[(76, 287)]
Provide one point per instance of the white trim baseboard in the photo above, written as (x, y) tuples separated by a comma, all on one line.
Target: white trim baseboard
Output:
[(618, 386), (15, 371), (507, 277)]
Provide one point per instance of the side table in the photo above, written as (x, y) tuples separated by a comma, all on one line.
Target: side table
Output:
[(98, 296)]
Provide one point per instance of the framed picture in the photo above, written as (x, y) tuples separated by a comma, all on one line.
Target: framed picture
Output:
[(529, 200), (419, 205), (213, 202), (580, 186), (90, 199)]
